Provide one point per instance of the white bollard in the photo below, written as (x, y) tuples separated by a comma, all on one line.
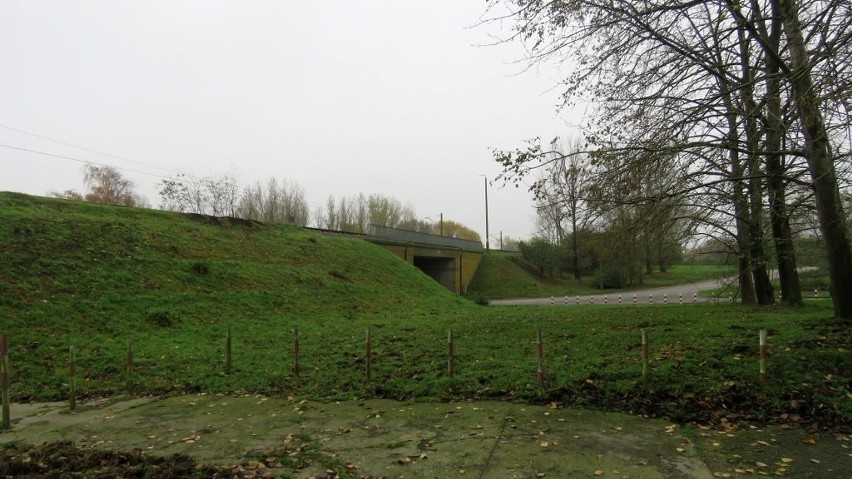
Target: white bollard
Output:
[(619, 299), (650, 299)]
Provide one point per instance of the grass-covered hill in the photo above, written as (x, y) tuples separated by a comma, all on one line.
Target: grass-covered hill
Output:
[(95, 276), (94, 263)]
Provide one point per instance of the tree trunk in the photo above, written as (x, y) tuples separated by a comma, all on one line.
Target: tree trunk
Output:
[(785, 253), (749, 110), (575, 242), (740, 203), (821, 165), (747, 291), (576, 258)]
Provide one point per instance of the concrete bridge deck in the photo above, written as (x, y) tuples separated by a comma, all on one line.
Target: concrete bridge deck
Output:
[(451, 262)]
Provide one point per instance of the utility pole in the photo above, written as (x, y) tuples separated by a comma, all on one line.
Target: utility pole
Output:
[(442, 224), (487, 244)]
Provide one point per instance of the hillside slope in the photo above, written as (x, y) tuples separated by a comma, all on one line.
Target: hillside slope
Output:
[(74, 273), (55, 254), (506, 274)]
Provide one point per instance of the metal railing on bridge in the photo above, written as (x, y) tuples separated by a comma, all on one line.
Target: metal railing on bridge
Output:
[(408, 236)]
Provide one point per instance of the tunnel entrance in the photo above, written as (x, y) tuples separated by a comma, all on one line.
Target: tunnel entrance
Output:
[(442, 270)]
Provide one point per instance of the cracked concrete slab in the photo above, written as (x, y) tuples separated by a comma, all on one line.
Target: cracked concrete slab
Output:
[(483, 439)]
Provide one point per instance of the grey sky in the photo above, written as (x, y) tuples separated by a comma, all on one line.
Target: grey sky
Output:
[(389, 97)]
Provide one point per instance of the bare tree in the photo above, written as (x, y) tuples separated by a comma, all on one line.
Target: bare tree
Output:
[(562, 197), (357, 212), (277, 202), (215, 195), (106, 185)]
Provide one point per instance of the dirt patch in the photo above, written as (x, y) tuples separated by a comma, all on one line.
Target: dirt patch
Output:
[(63, 459)]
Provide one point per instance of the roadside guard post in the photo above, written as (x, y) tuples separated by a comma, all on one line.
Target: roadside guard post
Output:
[(4, 382), (762, 344)]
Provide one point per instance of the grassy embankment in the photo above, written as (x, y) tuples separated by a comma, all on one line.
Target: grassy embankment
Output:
[(95, 277), (504, 274)]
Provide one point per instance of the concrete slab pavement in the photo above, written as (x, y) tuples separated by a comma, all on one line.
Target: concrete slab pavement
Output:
[(384, 438)]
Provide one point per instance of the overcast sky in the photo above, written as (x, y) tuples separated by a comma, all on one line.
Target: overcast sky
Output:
[(376, 96)]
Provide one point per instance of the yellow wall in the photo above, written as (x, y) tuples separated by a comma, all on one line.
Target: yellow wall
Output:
[(464, 262)]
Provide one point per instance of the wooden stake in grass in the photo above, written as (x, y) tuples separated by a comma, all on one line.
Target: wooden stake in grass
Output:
[(646, 356), (368, 355), (72, 383), (762, 355), (539, 352), (296, 351), (228, 353), (4, 382), (451, 355), (130, 368), (130, 357)]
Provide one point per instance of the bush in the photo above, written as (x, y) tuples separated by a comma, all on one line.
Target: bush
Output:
[(200, 268), (161, 317)]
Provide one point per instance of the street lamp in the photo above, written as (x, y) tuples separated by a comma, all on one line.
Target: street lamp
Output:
[(487, 244)]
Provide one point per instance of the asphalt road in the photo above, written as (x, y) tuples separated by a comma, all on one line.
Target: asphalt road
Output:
[(683, 293)]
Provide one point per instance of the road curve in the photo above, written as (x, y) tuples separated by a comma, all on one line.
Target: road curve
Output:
[(682, 293)]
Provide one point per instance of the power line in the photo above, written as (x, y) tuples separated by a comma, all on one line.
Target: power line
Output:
[(89, 150), (81, 161)]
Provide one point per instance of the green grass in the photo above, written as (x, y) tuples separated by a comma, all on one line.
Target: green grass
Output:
[(95, 277), (504, 274), (814, 284)]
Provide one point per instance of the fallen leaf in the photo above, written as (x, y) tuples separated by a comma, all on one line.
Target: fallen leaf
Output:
[(809, 441), (599, 472), (786, 460)]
